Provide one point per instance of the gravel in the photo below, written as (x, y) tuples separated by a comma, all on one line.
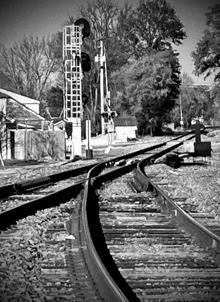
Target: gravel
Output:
[(24, 253), (21, 257), (20, 172)]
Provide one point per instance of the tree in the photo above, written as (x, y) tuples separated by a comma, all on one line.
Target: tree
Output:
[(215, 97), (5, 82), (194, 101), (54, 102), (29, 65), (153, 25), (148, 88), (207, 53), (186, 79), (107, 22), (101, 15)]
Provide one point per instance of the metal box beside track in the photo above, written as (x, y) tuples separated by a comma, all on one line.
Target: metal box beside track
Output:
[(202, 149)]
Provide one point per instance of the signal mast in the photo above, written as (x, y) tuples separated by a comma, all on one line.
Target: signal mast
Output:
[(73, 60)]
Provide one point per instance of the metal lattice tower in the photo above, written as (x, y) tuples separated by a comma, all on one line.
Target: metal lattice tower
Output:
[(72, 42)]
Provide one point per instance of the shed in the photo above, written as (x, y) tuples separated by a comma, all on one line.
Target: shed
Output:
[(19, 112), (32, 104), (125, 128), (25, 113)]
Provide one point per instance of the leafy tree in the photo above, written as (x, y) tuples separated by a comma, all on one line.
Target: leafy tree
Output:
[(153, 25), (207, 54), (195, 101), (29, 65), (215, 97), (148, 88), (186, 80), (120, 26)]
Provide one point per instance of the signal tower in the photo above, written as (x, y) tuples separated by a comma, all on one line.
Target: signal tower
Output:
[(72, 43)]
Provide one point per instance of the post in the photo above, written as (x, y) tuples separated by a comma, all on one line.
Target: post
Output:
[(76, 138), (102, 86), (88, 148), (181, 109), (181, 113), (26, 147)]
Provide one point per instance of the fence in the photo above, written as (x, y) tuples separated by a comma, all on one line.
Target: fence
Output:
[(30, 144)]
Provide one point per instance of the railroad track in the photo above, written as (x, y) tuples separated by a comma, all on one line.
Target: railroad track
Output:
[(39, 188), (194, 208), (190, 208), (77, 233), (34, 184), (159, 259)]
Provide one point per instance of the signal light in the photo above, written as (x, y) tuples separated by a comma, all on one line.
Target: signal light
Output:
[(113, 114), (109, 115), (85, 62), (104, 114), (85, 27)]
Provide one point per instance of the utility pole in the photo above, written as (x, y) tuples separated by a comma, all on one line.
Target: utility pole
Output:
[(107, 114), (181, 108), (102, 60)]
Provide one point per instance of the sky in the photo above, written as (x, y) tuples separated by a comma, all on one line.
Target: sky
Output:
[(46, 17)]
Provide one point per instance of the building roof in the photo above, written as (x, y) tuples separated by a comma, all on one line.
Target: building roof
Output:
[(125, 121), (20, 109), (20, 98)]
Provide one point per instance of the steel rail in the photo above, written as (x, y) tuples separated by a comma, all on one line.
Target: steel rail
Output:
[(97, 256), (183, 218), (9, 217), (111, 285), (104, 272), (23, 186)]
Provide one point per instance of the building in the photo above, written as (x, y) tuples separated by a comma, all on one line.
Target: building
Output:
[(125, 128), (24, 110), (24, 133), (32, 104)]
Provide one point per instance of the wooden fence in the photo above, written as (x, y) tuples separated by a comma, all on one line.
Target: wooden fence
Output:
[(30, 144)]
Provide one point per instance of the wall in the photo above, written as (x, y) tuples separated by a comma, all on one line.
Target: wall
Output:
[(3, 139), (31, 144), (3, 129), (122, 133)]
